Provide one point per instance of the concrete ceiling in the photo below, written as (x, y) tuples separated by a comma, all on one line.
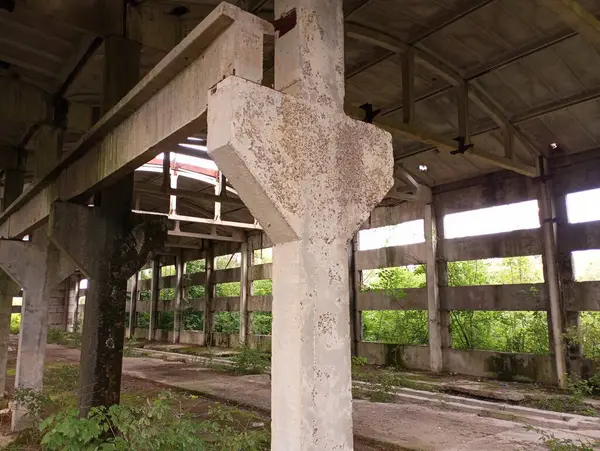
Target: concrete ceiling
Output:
[(532, 67)]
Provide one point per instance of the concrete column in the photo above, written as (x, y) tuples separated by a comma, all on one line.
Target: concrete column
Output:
[(154, 295), (552, 278), (442, 279), (180, 269), (72, 300), (566, 275), (209, 294), (436, 360), (135, 295), (311, 176), (354, 288), (109, 246), (13, 187), (245, 285), (121, 69), (38, 268)]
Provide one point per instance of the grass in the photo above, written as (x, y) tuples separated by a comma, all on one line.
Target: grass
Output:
[(60, 393)]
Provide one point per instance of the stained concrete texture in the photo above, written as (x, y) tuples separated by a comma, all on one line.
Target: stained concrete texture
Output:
[(397, 426)]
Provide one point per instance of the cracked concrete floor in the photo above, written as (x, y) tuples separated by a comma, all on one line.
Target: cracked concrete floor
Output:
[(397, 426)]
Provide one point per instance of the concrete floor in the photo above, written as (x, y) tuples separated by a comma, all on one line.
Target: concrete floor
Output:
[(407, 426)]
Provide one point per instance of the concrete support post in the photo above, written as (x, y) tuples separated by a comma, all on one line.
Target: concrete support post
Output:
[(566, 275), (72, 300), (442, 279), (245, 286), (38, 268), (354, 288), (209, 294), (551, 273), (121, 69), (154, 295), (177, 315), (436, 358), (109, 246), (13, 187), (135, 293), (311, 176)]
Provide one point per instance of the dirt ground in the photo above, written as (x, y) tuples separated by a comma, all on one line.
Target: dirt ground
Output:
[(377, 426)]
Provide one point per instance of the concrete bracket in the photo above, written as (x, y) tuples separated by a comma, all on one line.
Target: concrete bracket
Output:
[(291, 160), (78, 230)]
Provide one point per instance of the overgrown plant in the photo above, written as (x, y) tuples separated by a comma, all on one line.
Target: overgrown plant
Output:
[(563, 444), (250, 361)]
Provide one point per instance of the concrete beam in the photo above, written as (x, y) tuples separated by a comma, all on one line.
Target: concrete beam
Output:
[(406, 299), (499, 245), (387, 257), (577, 17), (230, 41)]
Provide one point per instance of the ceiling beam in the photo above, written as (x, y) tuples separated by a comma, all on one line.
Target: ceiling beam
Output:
[(188, 195), (419, 133), (474, 91), (577, 17), (236, 238)]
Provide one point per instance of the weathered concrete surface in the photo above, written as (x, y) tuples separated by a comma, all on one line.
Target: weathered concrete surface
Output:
[(109, 247), (407, 425), (37, 266), (311, 176)]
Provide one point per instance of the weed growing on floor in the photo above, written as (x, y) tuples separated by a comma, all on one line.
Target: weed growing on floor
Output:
[(62, 337), (250, 361), (563, 444), (156, 425)]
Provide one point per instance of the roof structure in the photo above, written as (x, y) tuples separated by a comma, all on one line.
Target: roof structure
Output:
[(517, 79)]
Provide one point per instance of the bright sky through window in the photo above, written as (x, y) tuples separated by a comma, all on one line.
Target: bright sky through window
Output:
[(395, 235), (584, 206), (504, 218)]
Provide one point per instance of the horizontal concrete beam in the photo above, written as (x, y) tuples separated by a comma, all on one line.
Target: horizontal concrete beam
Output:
[(385, 257), (225, 304), (586, 298), (261, 272), (518, 297), (260, 303), (510, 244), (577, 237), (227, 275), (384, 216), (228, 41), (406, 299)]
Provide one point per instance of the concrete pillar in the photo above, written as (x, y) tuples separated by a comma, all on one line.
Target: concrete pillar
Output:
[(72, 301), (177, 316), (135, 295), (209, 294), (552, 278), (566, 275), (109, 246), (154, 295), (121, 69), (13, 187), (311, 176), (245, 285), (354, 288), (38, 267), (434, 308)]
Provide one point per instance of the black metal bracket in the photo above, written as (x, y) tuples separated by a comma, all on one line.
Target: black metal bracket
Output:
[(370, 114), (462, 146), (286, 22)]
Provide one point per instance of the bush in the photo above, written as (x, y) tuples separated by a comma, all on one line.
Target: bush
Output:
[(15, 323), (250, 361), (62, 337)]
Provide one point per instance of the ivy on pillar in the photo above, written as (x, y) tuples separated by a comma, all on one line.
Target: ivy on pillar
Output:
[(209, 294), (109, 246)]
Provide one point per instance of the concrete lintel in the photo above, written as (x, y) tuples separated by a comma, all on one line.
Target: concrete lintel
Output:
[(228, 41)]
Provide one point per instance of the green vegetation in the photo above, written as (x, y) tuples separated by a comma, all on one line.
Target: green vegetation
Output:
[(62, 337), (489, 330), (262, 323), (563, 444), (139, 423), (15, 323), (193, 320), (250, 361), (227, 322)]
